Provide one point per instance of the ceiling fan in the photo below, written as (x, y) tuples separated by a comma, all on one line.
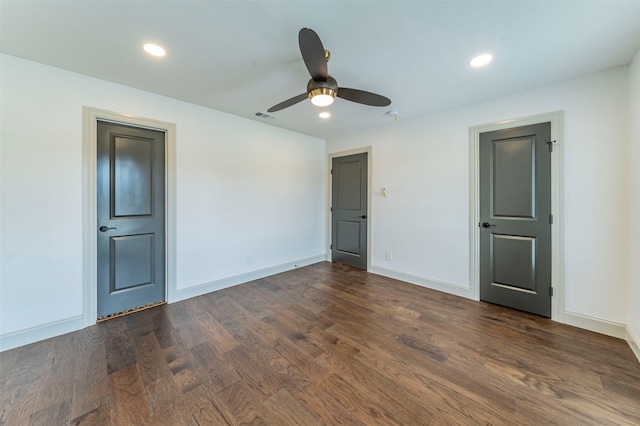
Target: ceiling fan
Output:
[(322, 88)]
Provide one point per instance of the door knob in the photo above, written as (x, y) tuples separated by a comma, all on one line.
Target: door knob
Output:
[(105, 229), (486, 224), (364, 216)]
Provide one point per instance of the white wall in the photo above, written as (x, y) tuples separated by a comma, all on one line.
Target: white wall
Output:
[(243, 188), (425, 165), (634, 200)]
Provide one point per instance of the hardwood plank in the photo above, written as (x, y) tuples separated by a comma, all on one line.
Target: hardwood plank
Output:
[(8, 361), (221, 307), (301, 368), (120, 357), (186, 371), (241, 402), (221, 374), (166, 403), (89, 337), (187, 330), (357, 401), (55, 414), (214, 332), (18, 403), (260, 377), (19, 385), (166, 336), (453, 402), (55, 390), (252, 300), (283, 408), (245, 326), (326, 408), (129, 403), (98, 416), (318, 321), (91, 383), (206, 407), (115, 332), (149, 358), (295, 329)]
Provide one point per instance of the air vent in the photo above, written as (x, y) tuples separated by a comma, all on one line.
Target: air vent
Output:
[(265, 116)]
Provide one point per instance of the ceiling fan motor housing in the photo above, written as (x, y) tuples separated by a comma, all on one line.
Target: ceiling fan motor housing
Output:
[(329, 87)]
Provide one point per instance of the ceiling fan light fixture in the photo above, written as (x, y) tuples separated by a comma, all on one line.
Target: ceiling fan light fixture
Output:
[(322, 96)]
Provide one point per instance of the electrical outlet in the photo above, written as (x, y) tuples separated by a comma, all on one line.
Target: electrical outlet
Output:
[(388, 255)]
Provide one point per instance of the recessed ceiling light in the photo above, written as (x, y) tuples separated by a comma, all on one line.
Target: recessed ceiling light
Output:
[(324, 114), (154, 49), (481, 60)]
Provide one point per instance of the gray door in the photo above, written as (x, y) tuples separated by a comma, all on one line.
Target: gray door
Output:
[(130, 192), (349, 210), (515, 218)]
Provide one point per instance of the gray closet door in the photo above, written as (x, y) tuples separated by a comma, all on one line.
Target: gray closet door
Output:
[(515, 218), (131, 217), (349, 210)]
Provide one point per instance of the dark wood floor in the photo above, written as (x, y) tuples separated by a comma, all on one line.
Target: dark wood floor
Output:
[(324, 344)]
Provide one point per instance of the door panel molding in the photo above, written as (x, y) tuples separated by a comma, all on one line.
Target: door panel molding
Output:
[(91, 116), (556, 119), (329, 195)]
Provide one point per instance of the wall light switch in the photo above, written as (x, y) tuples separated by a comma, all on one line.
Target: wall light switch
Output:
[(383, 191)]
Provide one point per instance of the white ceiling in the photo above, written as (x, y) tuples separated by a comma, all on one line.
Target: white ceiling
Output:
[(243, 57)]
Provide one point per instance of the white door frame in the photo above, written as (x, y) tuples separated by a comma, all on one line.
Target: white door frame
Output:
[(89, 202), (557, 255), (330, 158)]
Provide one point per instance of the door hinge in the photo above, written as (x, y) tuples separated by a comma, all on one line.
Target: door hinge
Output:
[(330, 246), (330, 209), (331, 171), (551, 291), (551, 219), (550, 143)]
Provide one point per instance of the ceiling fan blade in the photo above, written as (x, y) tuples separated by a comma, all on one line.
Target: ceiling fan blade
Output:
[(288, 103), (313, 54), (362, 97)]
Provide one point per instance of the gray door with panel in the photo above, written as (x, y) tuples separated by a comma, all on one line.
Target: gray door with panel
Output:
[(349, 210), (515, 218), (131, 217)]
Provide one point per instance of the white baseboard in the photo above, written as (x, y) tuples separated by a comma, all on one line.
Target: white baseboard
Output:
[(40, 332), (634, 342), (598, 325), (198, 290), (424, 282)]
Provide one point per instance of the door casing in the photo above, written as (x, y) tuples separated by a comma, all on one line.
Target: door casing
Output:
[(557, 255), (89, 210), (329, 196)]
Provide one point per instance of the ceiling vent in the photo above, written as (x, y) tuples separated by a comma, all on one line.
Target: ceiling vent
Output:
[(266, 116)]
